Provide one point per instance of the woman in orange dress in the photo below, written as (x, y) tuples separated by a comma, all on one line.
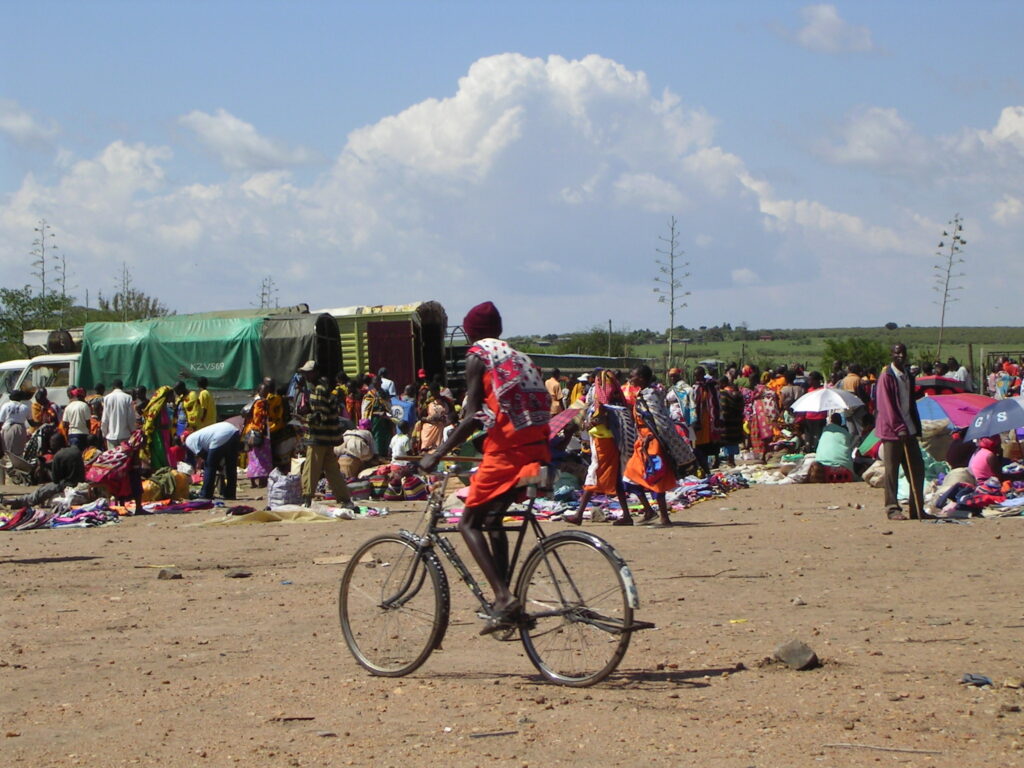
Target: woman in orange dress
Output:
[(658, 448), (605, 452)]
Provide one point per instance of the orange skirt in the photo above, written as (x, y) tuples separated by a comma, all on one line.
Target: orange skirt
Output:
[(635, 467), (606, 454), (500, 471)]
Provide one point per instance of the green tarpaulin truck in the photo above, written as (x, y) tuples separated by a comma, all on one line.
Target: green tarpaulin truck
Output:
[(233, 350)]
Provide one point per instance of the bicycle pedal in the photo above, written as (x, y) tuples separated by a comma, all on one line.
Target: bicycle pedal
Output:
[(636, 626)]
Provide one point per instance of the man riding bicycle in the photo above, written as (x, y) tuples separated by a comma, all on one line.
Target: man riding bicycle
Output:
[(506, 396)]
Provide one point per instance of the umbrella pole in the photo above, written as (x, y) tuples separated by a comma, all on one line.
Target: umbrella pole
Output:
[(913, 485)]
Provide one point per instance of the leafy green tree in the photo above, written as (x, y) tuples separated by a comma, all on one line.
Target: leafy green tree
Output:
[(594, 342), (132, 305), (870, 353), (22, 310)]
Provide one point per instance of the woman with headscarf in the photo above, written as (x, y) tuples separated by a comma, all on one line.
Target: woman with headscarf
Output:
[(156, 428), (44, 410), (354, 398), (658, 449), (377, 408), (764, 412), (256, 437), (434, 416), (605, 475), (988, 460), (703, 412), (731, 406)]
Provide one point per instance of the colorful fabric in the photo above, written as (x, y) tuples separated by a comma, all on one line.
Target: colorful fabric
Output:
[(156, 424), (764, 412), (608, 463), (517, 385), (257, 418), (324, 425), (259, 461), (500, 471), (731, 408), (432, 423), (650, 411), (703, 412)]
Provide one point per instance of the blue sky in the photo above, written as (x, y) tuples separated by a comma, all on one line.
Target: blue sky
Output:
[(528, 153)]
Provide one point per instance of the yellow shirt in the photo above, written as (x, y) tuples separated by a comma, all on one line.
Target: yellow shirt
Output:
[(206, 409)]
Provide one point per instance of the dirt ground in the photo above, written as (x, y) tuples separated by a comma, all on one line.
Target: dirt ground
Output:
[(102, 664)]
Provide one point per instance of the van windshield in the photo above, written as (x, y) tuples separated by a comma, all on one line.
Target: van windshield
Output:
[(8, 379)]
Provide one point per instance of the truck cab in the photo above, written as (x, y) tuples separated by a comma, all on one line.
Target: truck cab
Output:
[(10, 372), (55, 372)]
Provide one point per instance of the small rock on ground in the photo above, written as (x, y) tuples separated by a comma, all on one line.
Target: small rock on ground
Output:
[(796, 654)]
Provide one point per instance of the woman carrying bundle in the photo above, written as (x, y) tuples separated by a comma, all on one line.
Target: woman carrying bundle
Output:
[(658, 449)]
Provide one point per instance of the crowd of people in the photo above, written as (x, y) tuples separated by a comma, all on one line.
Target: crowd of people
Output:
[(633, 434)]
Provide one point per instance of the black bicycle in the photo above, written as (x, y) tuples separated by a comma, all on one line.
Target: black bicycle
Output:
[(576, 590)]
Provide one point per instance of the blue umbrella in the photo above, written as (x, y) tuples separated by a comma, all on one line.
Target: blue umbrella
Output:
[(1001, 416)]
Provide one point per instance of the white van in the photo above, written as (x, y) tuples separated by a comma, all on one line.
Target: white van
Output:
[(55, 372), (10, 372)]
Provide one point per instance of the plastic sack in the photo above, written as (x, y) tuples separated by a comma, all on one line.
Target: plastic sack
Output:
[(565, 487), (283, 489)]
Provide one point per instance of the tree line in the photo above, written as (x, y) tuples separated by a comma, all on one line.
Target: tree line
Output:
[(49, 302)]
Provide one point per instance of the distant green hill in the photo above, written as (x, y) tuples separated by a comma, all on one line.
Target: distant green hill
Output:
[(776, 346)]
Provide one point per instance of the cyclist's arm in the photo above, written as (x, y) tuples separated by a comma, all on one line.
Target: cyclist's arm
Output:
[(475, 369)]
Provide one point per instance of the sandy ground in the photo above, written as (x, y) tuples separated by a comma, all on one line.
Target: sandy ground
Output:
[(102, 664)]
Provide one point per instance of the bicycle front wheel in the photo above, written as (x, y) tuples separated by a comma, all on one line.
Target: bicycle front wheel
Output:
[(393, 605), (580, 605)]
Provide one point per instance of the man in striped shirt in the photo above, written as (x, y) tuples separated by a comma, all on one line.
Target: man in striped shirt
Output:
[(324, 432)]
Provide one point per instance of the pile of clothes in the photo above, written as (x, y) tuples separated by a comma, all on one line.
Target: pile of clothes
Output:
[(98, 512), (956, 496)]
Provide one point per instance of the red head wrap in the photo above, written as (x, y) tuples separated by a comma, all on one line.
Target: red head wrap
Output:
[(482, 322)]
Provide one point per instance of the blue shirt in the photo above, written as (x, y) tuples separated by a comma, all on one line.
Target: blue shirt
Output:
[(404, 410), (213, 436)]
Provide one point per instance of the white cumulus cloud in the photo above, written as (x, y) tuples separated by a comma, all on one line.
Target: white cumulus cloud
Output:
[(1007, 210), (649, 192), (745, 276), (19, 124), (825, 31), (879, 137), (543, 183), (237, 143)]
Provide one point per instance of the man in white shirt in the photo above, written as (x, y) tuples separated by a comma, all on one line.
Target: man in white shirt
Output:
[(960, 373), (219, 445), (76, 417), (119, 419)]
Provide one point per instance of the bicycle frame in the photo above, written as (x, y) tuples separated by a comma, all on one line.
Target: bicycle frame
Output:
[(564, 619), (434, 537)]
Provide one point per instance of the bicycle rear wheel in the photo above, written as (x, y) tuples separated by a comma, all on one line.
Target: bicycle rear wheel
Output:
[(579, 597), (393, 603)]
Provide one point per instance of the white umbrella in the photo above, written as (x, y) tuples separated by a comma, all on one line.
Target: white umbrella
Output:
[(827, 399)]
